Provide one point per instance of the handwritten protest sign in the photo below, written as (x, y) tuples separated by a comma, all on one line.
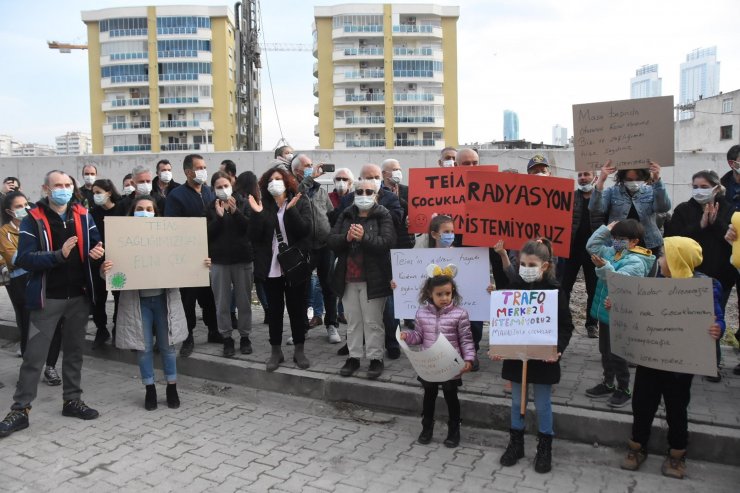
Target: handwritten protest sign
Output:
[(630, 132), (159, 252), (516, 208), (409, 272), (524, 324), (438, 191), (663, 323), (438, 363)]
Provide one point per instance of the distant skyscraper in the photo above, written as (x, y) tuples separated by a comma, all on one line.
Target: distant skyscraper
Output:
[(559, 136), (646, 83), (699, 75), (511, 125)]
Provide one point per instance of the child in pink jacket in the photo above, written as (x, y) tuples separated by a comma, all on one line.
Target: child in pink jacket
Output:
[(440, 313)]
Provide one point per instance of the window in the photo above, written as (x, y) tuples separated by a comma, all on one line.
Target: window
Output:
[(725, 132), (727, 105)]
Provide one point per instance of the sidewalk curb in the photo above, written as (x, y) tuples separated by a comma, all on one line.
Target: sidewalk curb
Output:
[(709, 443)]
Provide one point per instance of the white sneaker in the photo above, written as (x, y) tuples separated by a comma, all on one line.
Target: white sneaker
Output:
[(333, 334), (289, 342)]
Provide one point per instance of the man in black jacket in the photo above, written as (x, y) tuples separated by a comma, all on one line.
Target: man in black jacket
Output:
[(192, 200), (163, 183), (731, 182)]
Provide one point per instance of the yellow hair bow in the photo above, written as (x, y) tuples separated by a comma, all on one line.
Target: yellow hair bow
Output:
[(434, 270)]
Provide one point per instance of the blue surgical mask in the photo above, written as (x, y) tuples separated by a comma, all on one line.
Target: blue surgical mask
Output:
[(307, 172), (143, 214), (61, 196), (446, 239), (620, 245)]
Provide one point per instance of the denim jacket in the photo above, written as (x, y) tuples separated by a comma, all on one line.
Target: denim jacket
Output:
[(649, 200)]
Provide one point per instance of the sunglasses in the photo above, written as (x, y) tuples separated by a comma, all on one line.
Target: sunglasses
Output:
[(341, 178), (365, 191)]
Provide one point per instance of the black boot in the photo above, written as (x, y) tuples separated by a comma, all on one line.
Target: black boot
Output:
[(514, 450), (229, 350), (101, 336), (427, 430), (453, 434), (150, 399), (173, 400), (543, 459)]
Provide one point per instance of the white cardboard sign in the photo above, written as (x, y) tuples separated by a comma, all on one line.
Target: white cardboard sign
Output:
[(472, 279), (524, 318), (439, 363)]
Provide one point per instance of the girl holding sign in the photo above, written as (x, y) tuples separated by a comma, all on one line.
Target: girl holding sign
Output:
[(440, 313), (536, 272)]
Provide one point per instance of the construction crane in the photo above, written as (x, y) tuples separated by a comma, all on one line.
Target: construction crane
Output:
[(68, 47)]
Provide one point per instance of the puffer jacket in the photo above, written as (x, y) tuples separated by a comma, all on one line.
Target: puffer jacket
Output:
[(637, 261), (451, 321), (129, 327), (375, 246), (321, 206), (615, 204)]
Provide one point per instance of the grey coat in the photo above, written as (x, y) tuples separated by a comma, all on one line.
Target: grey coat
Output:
[(130, 330), (318, 199)]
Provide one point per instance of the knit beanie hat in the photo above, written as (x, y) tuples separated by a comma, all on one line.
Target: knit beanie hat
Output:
[(683, 255)]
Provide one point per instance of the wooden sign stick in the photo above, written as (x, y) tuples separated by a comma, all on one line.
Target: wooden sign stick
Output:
[(523, 409)]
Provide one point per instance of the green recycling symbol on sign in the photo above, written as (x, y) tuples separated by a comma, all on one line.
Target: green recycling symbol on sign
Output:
[(118, 280)]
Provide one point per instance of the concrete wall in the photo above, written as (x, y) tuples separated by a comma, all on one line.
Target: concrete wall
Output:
[(31, 170), (702, 132)]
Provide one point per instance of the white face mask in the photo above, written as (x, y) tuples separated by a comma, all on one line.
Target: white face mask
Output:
[(201, 176), (449, 163), (20, 213), (542, 173), (529, 274), (397, 176), (165, 176), (341, 186), (89, 179), (289, 157), (144, 188), (375, 182), (364, 202), (100, 198), (586, 188), (703, 195), (276, 187), (633, 186), (128, 189), (223, 193)]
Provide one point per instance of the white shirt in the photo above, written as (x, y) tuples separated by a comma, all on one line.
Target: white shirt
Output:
[(275, 269)]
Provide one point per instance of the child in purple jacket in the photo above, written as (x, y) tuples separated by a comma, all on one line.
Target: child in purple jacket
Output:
[(440, 313)]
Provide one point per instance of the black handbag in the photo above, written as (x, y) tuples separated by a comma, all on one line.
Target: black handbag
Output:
[(294, 263)]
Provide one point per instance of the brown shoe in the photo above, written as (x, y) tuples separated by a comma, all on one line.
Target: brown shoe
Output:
[(636, 455), (675, 464), (315, 322)]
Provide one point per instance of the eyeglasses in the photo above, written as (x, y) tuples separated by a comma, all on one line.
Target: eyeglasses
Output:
[(340, 178), (365, 191)]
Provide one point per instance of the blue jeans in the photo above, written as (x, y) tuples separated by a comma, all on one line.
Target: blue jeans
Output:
[(542, 403), (316, 296), (154, 315)]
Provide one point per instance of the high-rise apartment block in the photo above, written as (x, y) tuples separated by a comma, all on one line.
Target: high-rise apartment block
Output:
[(74, 143), (162, 79), (511, 125), (646, 83), (387, 75)]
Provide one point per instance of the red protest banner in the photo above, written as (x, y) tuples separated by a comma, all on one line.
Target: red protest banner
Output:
[(438, 191), (516, 208)]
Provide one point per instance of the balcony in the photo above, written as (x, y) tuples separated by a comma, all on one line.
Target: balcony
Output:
[(177, 54), (415, 143), (411, 30), (177, 77), (411, 52), (364, 143), (133, 148), (119, 33), (119, 104), (418, 74), (360, 120), (364, 98), (353, 53), (413, 97), (179, 124), (427, 121), (180, 147), (316, 89), (173, 101), (129, 80), (125, 127), (363, 74), (351, 30), (114, 57), (170, 31), (316, 69)]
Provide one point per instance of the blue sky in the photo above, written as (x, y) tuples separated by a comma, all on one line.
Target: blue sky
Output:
[(535, 57)]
